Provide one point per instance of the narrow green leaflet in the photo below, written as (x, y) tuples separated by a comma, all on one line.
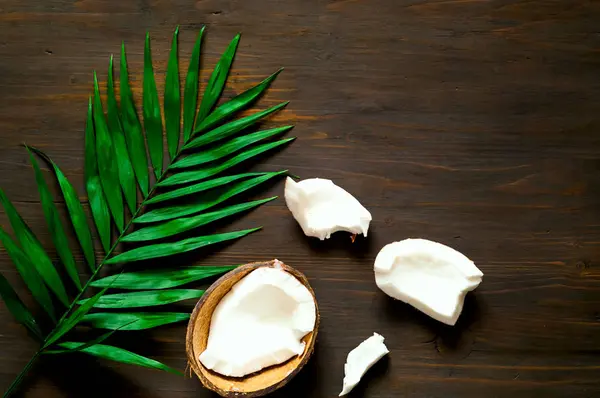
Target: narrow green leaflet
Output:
[(232, 127), (55, 227), (182, 246), (90, 343), (151, 110), (191, 89), (17, 308), (29, 274), (73, 319), (78, 217), (93, 186), (146, 299), (181, 225), (172, 101), (120, 355), (132, 128), (161, 278), (230, 147), (235, 104), (207, 201), (126, 173), (200, 187), (32, 246), (107, 166), (200, 174), (216, 82), (143, 320)]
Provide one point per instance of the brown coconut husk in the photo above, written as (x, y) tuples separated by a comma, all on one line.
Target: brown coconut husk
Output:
[(256, 384)]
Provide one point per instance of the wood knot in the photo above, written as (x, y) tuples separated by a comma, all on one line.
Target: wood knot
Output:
[(583, 264), (455, 344)]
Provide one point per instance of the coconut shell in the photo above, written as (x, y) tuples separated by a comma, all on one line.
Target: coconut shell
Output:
[(256, 384)]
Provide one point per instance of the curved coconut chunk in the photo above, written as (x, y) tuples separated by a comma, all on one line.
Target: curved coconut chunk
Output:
[(260, 322), (430, 276), (322, 208), (361, 359)]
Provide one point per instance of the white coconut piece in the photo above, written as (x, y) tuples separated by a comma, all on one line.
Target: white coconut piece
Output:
[(322, 208), (361, 359), (430, 276), (260, 322)]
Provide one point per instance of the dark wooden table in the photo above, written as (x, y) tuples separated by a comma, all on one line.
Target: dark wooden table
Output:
[(470, 122)]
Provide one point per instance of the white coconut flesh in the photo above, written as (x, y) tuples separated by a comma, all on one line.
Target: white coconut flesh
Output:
[(259, 323), (322, 208), (361, 359), (430, 276)]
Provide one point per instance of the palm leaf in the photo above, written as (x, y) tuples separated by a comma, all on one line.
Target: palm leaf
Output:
[(160, 279), (216, 82), (172, 101), (228, 148), (181, 225), (115, 158), (236, 104), (55, 227), (182, 246), (30, 276), (90, 343), (191, 89), (211, 199), (126, 173), (201, 187), (69, 322), (146, 298), (151, 108), (133, 128), (233, 127), (119, 355), (76, 213), (93, 186), (200, 174), (107, 167), (32, 246), (17, 308), (143, 320)]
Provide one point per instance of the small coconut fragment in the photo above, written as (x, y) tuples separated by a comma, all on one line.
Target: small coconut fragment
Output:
[(430, 276), (322, 208), (260, 322), (361, 359)]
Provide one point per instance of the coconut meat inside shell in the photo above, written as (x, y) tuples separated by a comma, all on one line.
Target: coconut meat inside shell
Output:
[(260, 322)]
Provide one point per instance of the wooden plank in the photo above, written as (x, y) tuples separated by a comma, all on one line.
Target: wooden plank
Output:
[(473, 123)]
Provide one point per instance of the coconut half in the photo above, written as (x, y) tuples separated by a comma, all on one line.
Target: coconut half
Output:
[(275, 336), (322, 208), (430, 276)]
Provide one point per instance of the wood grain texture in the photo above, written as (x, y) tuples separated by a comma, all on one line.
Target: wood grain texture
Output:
[(470, 122)]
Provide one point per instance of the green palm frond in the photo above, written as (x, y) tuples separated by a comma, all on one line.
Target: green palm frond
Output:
[(146, 298), (203, 141), (159, 279), (118, 355)]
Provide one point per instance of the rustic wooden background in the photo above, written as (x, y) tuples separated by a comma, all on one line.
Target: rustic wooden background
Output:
[(469, 122)]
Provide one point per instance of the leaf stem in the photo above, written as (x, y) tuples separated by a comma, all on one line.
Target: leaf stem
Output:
[(17, 381)]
